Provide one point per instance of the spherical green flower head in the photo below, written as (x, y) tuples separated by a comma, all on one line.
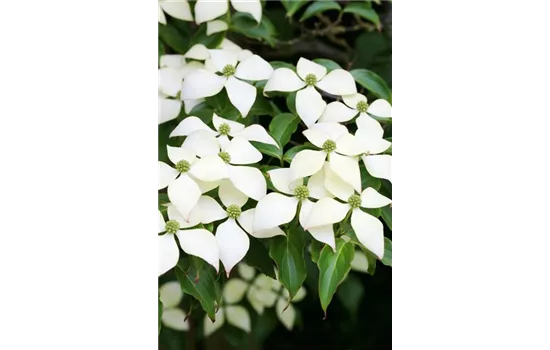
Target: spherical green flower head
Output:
[(183, 166), (172, 226), (228, 70), (233, 211), (301, 192), (329, 146), (225, 156), (311, 79), (224, 129), (362, 106), (354, 201)]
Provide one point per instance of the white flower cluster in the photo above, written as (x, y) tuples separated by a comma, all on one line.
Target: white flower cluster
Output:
[(261, 292), (321, 187), (207, 11)]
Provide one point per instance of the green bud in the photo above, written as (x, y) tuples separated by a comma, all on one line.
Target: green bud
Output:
[(301, 192), (233, 211), (172, 226), (362, 106), (225, 129), (354, 201), (311, 79), (228, 70), (329, 146), (225, 156), (183, 166)]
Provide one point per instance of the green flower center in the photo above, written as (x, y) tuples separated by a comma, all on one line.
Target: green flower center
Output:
[(228, 70), (233, 211), (329, 146), (224, 129), (362, 106), (301, 192), (311, 79), (172, 226), (225, 156), (354, 201), (183, 166)]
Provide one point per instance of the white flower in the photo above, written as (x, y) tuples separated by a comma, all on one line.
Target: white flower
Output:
[(207, 10), (228, 45), (203, 83), (309, 103), (265, 292), (172, 316), (368, 229), (276, 209), (236, 315), (196, 242), (239, 151), (370, 137), (360, 263), (233, 242), (168, 108), (179, 9), (224, 128), (336, 144), (216, 26), (191, 177), (355, 104)]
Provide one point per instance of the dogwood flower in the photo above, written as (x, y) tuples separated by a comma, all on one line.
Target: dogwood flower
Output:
[(179, 9), (368, 229), (207, 10), (190, 178), (360, 262), (336, 144), (224, 129), (355, 104), (203, 83), (236, 315), (309, 102), (196, 242), (172, 316), (277, 209), (238, 151), (241, 53), (370, 137), (216, 26), (168, 108)]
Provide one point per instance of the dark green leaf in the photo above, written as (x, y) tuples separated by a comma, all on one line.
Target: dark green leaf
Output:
[(350, 293), (387, 252), (280, 64), (291, 102), (319, 7), (160, 313), (288, 254), (171, 37), (283, 126), (203, 111), (363, 10), (163, 199), (269, 150), (210, 41), (261, 106), (315, 250), (367, 180), (328, 64), (333, 269), (162, 50), (201, 284), (258, 257), (292, 6), (289, 155), (372, 82), (222, 106), (245, 24), (386, 215)]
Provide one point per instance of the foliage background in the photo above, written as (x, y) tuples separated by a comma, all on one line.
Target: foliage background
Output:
[(359, 316)]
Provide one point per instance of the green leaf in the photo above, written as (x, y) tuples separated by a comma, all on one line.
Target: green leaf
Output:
[(283, 126), (371, 259), (328, 64), (171, 37), (333, 269), (200, 283), (350, 293), (372, 82), (210, 41), (364, 10), (292, 6), (222, 106), (386, 215), (245, 24), (281, 64), (291, 102), (160, 313), (163, 199), (258, 257), (288, 254), (202, 111), (269, 150), (367, 180), (162, 51), (261, 106), (387, 252), (315, 250), (289, 155), (319, 7)]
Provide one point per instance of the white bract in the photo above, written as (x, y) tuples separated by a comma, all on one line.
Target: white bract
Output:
[(368, 229), (355, 104), (196, 242), (336, 144), (238, 151), (208, 10), (309, 102), (236, 315), (179, 9), (277, 209), (172, 316), (370, 137), (360, 263), (190, 178), (204, 83), (224, 129)]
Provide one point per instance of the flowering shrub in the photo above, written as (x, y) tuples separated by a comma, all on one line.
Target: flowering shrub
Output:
[(262, 166)]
